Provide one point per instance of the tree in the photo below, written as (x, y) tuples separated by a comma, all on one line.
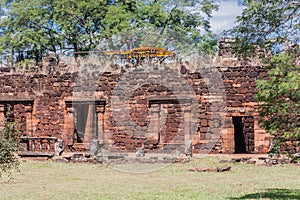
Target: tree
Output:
[(270, 24), (27, 29), (9, 140), (80, 22), (275, 26), (181, 26), (280, 94), (32, 28)]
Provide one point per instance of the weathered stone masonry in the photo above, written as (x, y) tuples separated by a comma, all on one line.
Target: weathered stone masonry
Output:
[(44, 105)]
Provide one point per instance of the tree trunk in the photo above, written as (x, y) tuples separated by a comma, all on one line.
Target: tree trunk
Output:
[(75, 46), (12, 57)]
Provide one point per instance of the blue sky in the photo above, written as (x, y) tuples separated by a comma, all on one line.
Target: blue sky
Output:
[(224, 18)]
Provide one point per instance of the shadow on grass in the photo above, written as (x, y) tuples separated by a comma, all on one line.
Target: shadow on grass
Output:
[(275, 193)]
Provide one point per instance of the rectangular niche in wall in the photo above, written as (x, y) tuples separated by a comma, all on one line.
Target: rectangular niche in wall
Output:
[(17, 111), (172, 118)]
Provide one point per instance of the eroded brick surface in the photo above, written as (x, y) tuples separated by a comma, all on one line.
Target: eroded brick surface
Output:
[(40, 107), (48, 104)]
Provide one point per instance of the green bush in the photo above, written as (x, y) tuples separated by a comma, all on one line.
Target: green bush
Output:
[(9, 140)]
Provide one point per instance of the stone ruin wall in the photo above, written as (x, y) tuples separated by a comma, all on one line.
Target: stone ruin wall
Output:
[(42, 107), (43, 102)]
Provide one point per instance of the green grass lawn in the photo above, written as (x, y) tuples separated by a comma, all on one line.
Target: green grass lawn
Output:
[(50, 180)]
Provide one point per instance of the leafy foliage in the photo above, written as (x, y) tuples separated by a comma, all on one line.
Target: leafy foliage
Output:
[(275, 26), (271, 24), (8, 149), (280, 94), (32, 28)]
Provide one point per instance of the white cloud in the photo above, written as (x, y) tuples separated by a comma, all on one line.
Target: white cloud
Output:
[(224, 18)]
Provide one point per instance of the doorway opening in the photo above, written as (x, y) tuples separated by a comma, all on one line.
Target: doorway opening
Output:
[(85, 122), (243, 134)]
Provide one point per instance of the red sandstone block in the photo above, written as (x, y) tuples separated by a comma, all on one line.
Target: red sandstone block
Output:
[(203, 122)]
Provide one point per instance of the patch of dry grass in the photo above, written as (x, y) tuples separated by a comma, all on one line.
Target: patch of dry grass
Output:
[(50, 180)]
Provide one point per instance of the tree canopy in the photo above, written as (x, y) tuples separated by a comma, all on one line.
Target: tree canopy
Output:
[(271, 24), (36, 27), (275, 26)]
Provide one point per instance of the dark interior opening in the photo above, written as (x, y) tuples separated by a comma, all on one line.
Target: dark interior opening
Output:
[(239, 137), (80, 118), (85, 122), (243, 134)]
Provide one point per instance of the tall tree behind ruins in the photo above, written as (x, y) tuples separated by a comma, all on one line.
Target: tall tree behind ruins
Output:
[(33, 28)]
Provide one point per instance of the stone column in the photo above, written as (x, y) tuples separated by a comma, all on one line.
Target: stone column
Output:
[(161, 109), (261, 137), (29, 130), (100, 109), (2, 116), (69, 126), (187, 124), (227, 134), (188, 137)]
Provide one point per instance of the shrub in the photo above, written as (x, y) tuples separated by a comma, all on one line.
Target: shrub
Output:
[(9, 140)]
